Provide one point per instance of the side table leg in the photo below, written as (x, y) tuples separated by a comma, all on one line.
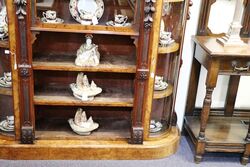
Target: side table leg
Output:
[(205, 112), (245, 157), (211, 80)]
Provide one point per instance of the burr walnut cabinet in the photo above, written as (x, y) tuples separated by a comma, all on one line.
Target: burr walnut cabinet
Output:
[(40, 57)]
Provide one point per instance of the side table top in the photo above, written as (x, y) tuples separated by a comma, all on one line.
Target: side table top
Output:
[(215, 49)]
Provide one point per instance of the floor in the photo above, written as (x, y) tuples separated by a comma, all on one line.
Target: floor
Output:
[(183, 158)]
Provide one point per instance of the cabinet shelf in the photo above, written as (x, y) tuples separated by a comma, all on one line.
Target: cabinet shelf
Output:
[(163, 93), (6, 91), (64, 97), (4, 44), (169, 49), (59, 129), (220, 130), (91, 29), (119, 64)]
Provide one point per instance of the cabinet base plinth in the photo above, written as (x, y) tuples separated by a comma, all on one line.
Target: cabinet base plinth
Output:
[(90, 149)]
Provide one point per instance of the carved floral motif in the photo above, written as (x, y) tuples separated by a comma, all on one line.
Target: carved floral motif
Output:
[(21, 8), (149, 10)]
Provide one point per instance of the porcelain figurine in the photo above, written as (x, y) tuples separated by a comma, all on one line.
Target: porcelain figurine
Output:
[(88, 54), (81, 125), (6, 80), (83, 90), (160, 84), (7, 125)]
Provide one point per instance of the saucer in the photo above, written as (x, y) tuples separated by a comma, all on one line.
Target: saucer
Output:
[(112, 23), (5, 127), (3, 36), (56, 21), (155, 126)]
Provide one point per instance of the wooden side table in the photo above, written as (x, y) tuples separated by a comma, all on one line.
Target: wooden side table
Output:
[(224, 133)]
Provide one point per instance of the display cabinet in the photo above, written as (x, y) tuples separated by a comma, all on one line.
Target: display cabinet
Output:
[(96, 79)]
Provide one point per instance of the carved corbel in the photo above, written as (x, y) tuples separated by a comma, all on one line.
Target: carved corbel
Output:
[(149, 10), (21, 8)]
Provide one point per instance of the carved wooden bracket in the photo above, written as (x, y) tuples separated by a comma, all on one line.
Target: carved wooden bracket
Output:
[(27, 134), (33, 36), (24, 70), (21, 8), (137, 135), (149, 10)]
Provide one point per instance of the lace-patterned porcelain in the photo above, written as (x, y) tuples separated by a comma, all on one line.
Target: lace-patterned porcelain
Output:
[(50, 16), (3, 23), (6, 80), (160, 84), (119, 21), (7, 125), (86, 12), (155, 126)]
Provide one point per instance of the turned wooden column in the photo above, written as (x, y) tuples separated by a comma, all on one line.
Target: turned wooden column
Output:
[(246, 154), (211, 80)]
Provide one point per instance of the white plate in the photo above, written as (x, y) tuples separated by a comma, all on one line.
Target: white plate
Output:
[(93, 7)]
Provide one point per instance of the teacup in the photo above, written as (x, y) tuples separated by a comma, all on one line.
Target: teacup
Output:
[(120, 19), (7, 76), (50, 15), (165, 35), (10, 120)]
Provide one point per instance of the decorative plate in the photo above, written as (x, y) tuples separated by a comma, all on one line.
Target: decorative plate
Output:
[(93, 7)]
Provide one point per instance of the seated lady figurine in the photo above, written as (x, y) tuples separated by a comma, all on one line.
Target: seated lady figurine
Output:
[(88, 54)]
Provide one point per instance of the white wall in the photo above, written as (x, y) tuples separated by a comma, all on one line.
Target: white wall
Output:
[(219, 93), (187, 56)]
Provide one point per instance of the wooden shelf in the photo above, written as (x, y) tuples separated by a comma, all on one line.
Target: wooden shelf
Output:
[(6, 91), (163, 93), (4, 44), (173, 1), (59, 129), (78, 28), (169, 49), (119, 64), (220, 130), (64, 97)]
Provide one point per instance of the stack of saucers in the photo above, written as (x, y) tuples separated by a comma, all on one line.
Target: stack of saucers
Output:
[(7, 125)]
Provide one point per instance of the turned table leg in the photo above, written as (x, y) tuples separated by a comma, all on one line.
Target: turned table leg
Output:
[(245, 157), (211, 80)]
